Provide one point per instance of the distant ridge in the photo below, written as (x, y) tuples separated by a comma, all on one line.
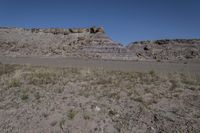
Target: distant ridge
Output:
[(174, 49), (91, 42)]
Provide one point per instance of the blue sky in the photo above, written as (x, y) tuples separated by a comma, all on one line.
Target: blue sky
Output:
[(124, 20)]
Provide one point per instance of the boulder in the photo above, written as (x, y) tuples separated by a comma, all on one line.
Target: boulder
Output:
[(101, 30), (73, 30), (93, 30), (82, 30)]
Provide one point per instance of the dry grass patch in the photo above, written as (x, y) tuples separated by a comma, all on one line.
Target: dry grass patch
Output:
[(7, 69), (190, 79), (126, 99), (71, 114), (14, 80), (43, 76), (24, 95)]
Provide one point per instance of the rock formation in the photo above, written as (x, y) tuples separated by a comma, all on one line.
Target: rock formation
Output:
[(91, 43), (78, 42), (177, 49), (91, 30)]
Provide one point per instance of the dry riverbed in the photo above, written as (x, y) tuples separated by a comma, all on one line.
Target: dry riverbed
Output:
[(44, 99)]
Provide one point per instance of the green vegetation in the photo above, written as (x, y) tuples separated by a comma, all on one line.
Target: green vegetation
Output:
[(152, 72), (24, 96), (61, 124), (43, 76), (71, 114), (7, 69), (14, 82)]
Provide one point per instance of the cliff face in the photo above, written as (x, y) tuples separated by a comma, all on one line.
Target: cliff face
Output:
[(80, 42), (91, 30), (177, 49)]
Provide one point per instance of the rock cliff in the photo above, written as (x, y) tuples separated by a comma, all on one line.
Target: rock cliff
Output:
[(78, 42)]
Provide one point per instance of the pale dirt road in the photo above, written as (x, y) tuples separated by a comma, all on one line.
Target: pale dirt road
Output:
[(138, 66)]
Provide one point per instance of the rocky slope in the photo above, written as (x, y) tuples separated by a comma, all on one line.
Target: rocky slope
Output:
[(178, 49), (91, 43), (81, 42)]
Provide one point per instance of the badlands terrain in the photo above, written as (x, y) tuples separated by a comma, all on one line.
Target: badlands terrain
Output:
[(91, 43), (79, 80)]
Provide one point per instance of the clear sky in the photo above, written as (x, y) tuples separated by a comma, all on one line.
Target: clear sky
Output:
[(124, 20)]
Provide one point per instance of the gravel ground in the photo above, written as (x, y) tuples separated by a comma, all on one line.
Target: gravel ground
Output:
[(39, 99)]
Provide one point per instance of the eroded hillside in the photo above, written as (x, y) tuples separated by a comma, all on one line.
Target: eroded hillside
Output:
[(81, 42), (91, 43), (179, 49)]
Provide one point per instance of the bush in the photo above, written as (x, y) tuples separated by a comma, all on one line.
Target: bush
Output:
[(71, 114), (24, 96)]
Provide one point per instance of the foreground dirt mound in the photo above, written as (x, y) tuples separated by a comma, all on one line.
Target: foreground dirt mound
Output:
[(82, 42), (167, 49)]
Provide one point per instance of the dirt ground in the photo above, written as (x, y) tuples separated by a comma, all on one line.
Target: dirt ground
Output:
[(38, 99)]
